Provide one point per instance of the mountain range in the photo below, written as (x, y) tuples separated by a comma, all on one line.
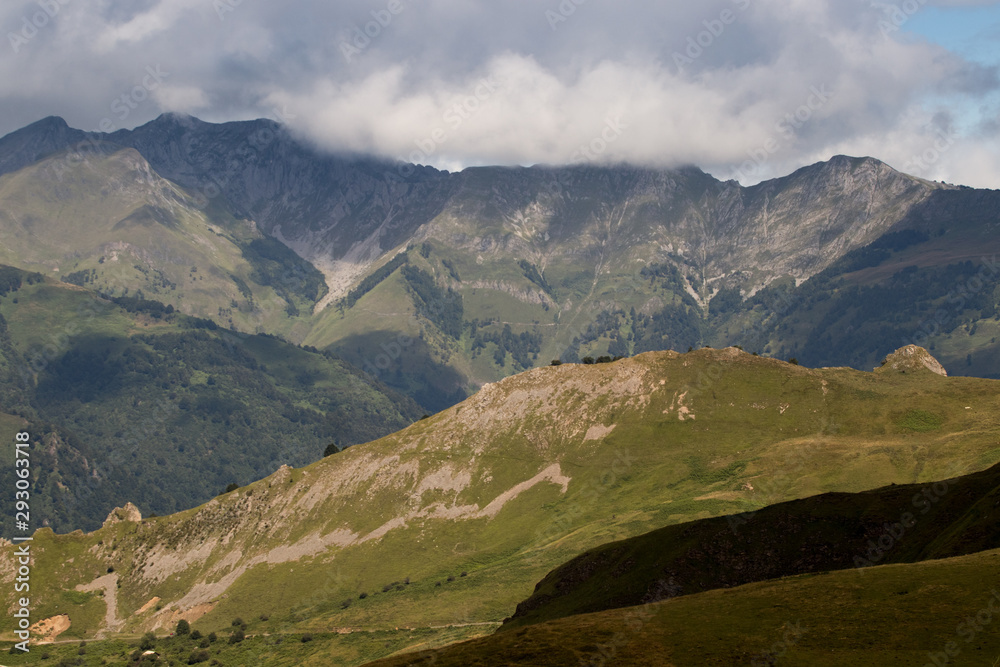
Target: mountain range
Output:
[(439, 282)]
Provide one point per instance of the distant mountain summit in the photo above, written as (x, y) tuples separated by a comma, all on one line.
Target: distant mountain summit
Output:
[(36, 141)]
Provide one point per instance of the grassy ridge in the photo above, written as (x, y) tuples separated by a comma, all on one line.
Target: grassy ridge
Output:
[(832, 531), (905, 615), (640, 444)]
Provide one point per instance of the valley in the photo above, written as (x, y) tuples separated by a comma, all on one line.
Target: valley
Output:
[(123, 393)]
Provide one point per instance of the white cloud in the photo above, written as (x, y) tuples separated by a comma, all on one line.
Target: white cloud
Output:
[(184, 99), (415, 88), (163, 16)]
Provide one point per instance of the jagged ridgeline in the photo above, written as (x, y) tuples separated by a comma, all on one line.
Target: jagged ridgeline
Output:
[(123, 394), (452, 521), (492, 271)]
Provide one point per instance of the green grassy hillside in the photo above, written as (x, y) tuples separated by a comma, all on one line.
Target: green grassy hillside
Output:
[(900, 615), (114, 225), (316, 649), (895, 615), (453, 520), (125, 394), (831, 531)]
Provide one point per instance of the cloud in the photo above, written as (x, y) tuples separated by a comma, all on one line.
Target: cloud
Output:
[(161, 17), (744, 88), (183, 99)]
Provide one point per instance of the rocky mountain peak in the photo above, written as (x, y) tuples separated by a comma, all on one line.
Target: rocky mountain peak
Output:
[(911, 358), (173, 119), (848, 161), (49, 122), (29, 144)]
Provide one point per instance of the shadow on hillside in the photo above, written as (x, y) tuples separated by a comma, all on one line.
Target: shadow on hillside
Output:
[(407, 365)]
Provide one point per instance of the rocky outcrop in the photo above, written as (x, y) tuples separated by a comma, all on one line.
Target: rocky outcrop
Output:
[(128, 513), (910, 359)]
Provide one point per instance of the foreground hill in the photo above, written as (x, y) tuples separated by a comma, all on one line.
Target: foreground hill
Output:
[(438, 282), (452, 520), (892, 614), (129, 400), (901, 615), (831, 531)]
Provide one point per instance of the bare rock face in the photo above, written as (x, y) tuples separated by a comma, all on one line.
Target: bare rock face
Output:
[(128, 513), (911, 358)]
